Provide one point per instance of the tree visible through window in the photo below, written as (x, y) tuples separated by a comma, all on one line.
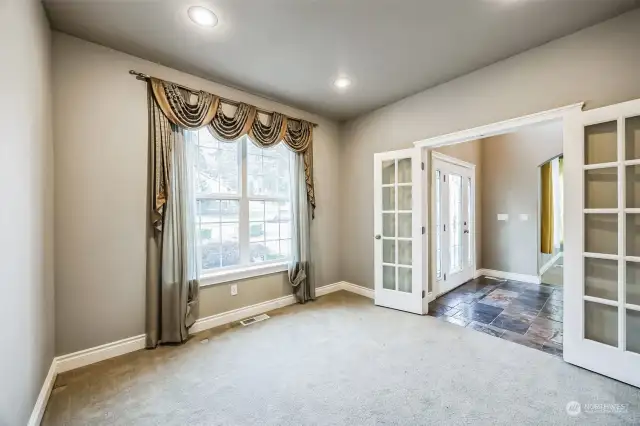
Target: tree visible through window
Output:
[(243, 203)]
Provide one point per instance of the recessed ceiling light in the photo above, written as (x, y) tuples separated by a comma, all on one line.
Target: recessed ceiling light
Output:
[(203, 16), (342, 83)]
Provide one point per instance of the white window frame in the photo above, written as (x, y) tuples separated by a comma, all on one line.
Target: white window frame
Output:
[(245, 269)]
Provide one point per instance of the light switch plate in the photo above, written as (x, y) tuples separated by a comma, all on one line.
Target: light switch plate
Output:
[(234, 289), (503, 216)]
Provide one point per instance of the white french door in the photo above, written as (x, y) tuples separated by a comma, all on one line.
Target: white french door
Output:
[(452, 220), (398, 230), (602, 263)]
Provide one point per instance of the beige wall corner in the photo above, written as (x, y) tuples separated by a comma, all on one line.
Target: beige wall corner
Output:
[(100, 130), (26, 183)]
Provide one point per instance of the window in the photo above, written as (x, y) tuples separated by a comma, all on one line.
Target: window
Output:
[(243, 204)]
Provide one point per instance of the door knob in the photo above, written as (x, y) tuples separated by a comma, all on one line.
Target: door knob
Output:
[(378, 237)]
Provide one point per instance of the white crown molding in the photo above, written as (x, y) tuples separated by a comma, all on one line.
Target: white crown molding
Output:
[(43, 397), (533, 279), (498, 128)]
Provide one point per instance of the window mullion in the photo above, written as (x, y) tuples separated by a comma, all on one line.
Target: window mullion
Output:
[(244, 203)]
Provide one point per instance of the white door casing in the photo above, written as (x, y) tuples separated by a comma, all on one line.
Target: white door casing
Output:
[(452, 231), (398, 230), (602, 248)]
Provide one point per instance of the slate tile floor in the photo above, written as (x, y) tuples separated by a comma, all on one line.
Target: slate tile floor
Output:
[(528, 314)]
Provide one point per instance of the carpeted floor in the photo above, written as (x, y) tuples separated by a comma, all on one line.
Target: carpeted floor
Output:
[(337, 361)]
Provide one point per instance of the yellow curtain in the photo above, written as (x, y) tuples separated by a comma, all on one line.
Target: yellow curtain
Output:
[(546, 228)]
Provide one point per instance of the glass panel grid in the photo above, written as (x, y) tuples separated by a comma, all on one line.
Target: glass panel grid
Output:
[(396, 224), (455, 221), (233, 229), (438, 225), (217, 165), (615, 280), (600, 143), (269, 230), (601, 188), (470, 249)]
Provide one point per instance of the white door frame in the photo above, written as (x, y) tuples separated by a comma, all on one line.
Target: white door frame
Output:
[(436, 292), (563, 114)]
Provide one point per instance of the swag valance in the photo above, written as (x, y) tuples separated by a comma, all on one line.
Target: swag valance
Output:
[(173, 105), (172, 266)]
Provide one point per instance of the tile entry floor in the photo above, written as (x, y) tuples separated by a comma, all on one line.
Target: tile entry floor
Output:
[(524, 313)]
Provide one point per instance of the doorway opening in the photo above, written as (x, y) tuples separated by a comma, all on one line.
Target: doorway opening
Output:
[(550, 223), (492, 223)]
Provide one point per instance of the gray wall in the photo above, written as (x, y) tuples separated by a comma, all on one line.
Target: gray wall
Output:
[(26, 185), (510, 182), (100, 131), (598, 65)]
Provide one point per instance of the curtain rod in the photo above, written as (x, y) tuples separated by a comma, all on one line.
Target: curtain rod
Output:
[(145, 77)]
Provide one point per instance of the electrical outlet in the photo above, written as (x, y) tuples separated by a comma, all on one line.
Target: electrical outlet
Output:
[(234, 289)]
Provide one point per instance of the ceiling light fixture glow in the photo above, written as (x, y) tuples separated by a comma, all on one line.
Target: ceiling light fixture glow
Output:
[(202, 16), (342, 83)]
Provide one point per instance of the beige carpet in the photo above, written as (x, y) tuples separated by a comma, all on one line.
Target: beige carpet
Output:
[(337, 361)]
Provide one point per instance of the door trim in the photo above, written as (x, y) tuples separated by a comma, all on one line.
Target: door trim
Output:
[(500, 127), (437, 156), (568, 116), (443, 157)]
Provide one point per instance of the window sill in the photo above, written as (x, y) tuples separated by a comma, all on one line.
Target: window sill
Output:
[(242, 273)]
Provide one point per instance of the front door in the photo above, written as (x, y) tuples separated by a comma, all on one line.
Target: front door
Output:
[(602, 241), (398, 230), (452, 213)]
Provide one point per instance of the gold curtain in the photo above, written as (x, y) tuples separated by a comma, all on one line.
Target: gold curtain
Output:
[(176, 105), (546, 207)]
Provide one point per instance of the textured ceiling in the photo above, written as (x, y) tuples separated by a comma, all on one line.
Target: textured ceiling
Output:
[(292, 50)]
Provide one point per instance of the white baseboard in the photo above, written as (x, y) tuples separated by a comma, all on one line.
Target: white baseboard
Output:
[(99, 353), (85, 357), (550, 263), (357, 289), (240, 314), (331, 288), (43, 396), (534, 279)]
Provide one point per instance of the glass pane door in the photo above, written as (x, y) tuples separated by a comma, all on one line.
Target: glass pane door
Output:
[(602, 249), (398, 231), (611, 244), (452, 212), (455, 223), (396, 191)]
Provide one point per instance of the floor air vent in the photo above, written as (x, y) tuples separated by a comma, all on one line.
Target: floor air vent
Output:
[(254, 320)]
